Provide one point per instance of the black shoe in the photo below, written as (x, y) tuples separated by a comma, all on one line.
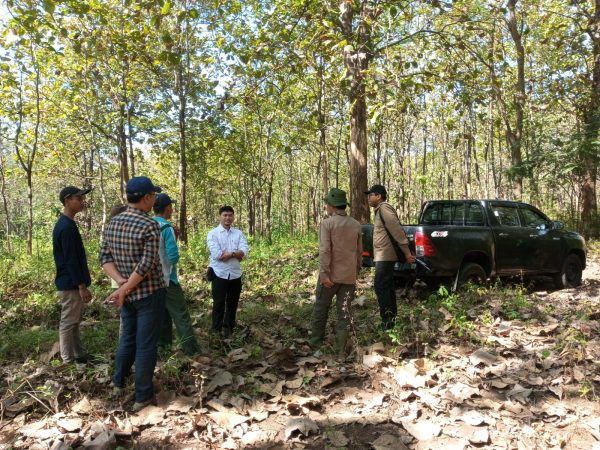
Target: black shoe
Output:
[(87, 358), (226, 333)]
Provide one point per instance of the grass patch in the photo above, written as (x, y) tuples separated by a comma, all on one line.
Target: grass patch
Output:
[(26, 342)]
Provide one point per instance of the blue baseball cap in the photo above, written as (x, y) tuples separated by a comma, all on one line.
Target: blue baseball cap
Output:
[(163, 200), (141, 185)]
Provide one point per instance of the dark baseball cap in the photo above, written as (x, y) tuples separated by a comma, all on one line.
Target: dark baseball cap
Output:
[(141, 185), (163, 200), (377, 189), (70, 191)]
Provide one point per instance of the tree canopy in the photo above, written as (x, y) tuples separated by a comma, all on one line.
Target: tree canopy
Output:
[(266, 105)]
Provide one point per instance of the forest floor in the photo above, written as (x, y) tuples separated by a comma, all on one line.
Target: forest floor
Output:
[(501, 367)]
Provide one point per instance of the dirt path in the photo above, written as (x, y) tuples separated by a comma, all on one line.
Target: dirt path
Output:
[(524, 383)]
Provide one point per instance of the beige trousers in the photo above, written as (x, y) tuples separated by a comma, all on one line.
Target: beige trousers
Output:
[(70, 317)]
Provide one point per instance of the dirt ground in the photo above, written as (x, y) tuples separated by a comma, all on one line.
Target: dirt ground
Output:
[(527, 383)]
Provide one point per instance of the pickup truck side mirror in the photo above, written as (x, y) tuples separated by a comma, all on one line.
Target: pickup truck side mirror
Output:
[(557, 225)]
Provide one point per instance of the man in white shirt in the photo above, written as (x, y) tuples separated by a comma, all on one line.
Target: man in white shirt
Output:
[(227, 247)]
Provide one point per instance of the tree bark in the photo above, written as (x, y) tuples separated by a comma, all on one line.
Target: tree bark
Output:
[(322, 132), (122, 148), (356, 61), (515, 137), (183, 235), (5, 205), (28, 159), (589, 207)]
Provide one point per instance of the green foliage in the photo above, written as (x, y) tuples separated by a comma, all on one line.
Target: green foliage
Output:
[(514, 302)]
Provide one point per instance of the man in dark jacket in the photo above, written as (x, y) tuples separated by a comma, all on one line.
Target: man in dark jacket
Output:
[(387, 225), (72, 274)]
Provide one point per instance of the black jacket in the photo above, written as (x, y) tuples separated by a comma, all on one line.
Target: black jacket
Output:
[(69, 255)]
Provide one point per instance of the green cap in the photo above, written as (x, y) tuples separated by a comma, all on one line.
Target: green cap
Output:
[(336, 197)]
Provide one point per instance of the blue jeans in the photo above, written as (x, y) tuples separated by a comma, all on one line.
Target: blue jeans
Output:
[(140, 325)]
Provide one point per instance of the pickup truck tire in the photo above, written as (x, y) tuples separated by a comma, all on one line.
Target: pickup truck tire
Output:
[(471, 272), (570, 274)]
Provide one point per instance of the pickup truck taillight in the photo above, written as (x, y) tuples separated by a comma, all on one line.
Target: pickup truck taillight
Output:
[(366, 253), (423, 244)]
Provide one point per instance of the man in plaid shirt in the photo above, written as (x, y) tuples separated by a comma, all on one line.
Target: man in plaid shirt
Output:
[(129, 254)]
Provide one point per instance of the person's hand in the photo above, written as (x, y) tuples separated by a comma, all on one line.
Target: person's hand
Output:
[(411, 259), (327, 283), (85, 294), (226, 256), (121, 281), (117, 298)]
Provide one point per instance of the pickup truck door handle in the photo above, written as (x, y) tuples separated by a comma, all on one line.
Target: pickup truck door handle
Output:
[(533, 235), (503, 234)]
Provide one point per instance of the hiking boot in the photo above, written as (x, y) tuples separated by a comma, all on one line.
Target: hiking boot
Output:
[(117, 392), (138, 406), (341, 342)]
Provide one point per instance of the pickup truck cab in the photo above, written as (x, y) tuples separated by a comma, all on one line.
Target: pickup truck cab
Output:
[(472, 240)]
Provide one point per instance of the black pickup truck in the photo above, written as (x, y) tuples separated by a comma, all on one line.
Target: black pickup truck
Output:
[(457, 241)]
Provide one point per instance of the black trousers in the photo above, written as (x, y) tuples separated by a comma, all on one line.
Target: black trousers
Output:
[(226, 296), (386, 293)]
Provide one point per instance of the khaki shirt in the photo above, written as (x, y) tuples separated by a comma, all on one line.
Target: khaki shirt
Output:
[(340, 249), (382, 246)]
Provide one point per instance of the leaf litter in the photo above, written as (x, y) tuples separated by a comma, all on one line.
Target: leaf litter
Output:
[(527, 382)]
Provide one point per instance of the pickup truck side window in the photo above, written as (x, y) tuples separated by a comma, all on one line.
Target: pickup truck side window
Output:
[(531, 219), (474, 215), (438, 214), (458, 213), (507, 216)]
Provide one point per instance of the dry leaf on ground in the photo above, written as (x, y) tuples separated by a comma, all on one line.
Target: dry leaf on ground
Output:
[(304, 426), (228, 420), (388, 442), (423, 430)]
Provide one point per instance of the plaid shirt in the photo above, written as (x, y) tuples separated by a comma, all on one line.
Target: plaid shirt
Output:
[(131, 241)]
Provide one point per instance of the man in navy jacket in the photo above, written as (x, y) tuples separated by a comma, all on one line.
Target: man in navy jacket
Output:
[(72, 274)]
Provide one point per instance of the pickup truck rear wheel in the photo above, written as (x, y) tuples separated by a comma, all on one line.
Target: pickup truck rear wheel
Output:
[(471, 272), (570, 274)]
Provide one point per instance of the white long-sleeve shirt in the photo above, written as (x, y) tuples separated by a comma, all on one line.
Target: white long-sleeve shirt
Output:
[(219, 241)]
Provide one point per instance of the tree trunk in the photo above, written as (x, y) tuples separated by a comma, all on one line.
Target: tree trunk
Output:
[(467, 165), (356, 61), (268, 211), (122, 149), (5, 205), (28, 159), (130, 141), (589, 209), (322, 132), (102, 193), (182, 157), (290, 196), (515, 138)]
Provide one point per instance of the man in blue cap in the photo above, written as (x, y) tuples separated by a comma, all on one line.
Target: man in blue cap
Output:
[(130, 252), (176, 311)]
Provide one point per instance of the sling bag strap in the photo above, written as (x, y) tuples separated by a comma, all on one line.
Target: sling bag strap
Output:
[(399, 253)]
